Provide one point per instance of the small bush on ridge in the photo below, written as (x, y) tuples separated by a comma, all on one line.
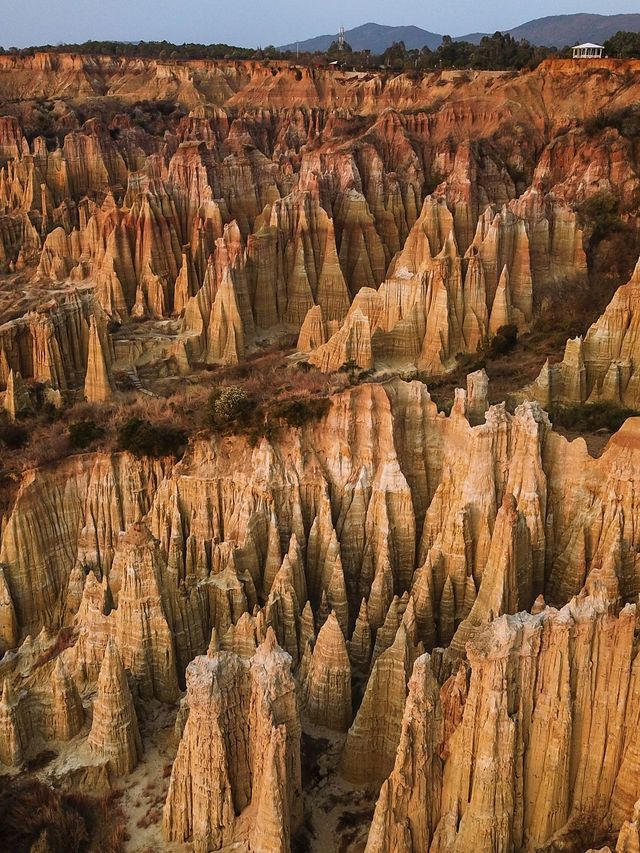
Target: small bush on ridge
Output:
[(590, 417), (298, 412), (504, 340), (227, 404), (143, 438), (83, 433), (13, 436)]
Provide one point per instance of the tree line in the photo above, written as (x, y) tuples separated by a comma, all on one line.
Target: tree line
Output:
[(499, 51)]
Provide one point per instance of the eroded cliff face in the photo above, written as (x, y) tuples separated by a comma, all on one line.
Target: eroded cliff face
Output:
[(376, 626), (604, 366), (240, 751), (542, 752), (344, 549), (387, 223), (365, 521)]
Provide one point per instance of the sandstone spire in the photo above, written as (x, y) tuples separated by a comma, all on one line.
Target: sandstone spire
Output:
[(186, 284), (9, 633), (313, 332), (506, 585), (307, 631), (629, 836), (332, 294), (226, 330), (240, 748), (372, 740), (564, 382), (97, 383), (273, 559), (337, 596), (408, 807), (327, 686), (351, 344), (114, 734), (447, 613), (143, 634), (299, 296), (296, 561), (270, 832), (221, 782), (12, 735), (214, 643), (418, 804), (501, 314), (16, 397), (386, 633), (67, 713), (381, 594), (360, 643), (240, 638), (422, 595), (283, 610), (477, 395)]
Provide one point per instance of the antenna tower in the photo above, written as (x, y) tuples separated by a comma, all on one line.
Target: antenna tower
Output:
[(341, 39)]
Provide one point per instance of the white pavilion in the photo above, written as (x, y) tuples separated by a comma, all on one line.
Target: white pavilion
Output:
[(588, 51)]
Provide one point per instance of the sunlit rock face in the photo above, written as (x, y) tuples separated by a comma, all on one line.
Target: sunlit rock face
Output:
[(528, 706), (240, 749), (398, 543), (261, 210), (381, 626)]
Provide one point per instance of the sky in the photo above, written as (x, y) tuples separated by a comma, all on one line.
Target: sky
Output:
[(252, 23)]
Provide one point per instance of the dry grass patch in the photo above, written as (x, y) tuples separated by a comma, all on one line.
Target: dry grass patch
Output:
[(161, 424), (62, 822)]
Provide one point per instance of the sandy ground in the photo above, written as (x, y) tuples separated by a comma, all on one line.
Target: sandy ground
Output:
[(337, 815), (145, 790)]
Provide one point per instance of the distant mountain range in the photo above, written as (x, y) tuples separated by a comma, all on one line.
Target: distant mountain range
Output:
[(560, 30), (553, 31), (374, 37)]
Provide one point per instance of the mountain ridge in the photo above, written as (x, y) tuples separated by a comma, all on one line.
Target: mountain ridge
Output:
[(372, 36), (550, 31)]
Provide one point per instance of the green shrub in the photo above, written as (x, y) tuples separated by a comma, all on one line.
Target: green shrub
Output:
[(300, 411), (504, 340), (13, 436), (227, 405), (355, 373), (600, 214), (432, 181), (143, 438), (83, 433), (350, 366), (589, 417)]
